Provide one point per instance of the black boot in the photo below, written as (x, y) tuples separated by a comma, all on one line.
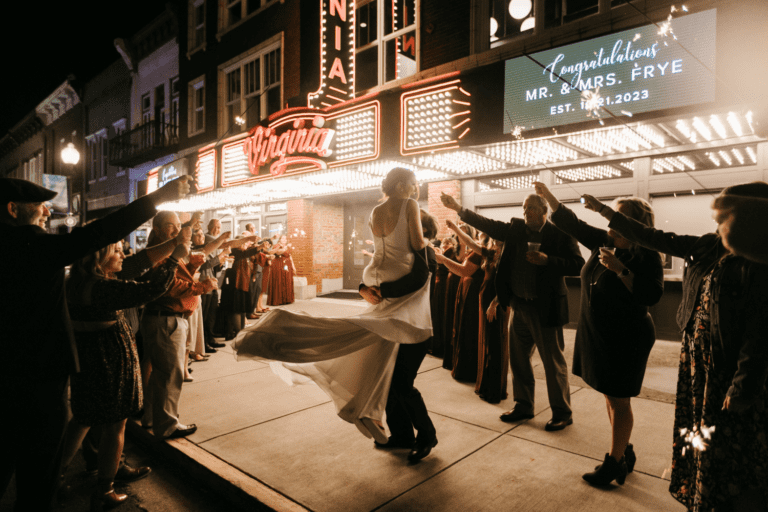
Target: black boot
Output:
[(630, 458), (608, 471)]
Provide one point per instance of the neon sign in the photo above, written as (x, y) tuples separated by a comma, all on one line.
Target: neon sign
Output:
[(205, 170), (263, 145), (337, 54), (302, 142), (434, 118)]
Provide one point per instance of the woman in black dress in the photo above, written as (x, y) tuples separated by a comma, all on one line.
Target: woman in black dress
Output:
[(723, 365), (451, 290), (615, 332), (437, 299), (107, 389)]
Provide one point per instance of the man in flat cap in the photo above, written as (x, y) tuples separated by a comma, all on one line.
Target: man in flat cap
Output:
[(36, 341)]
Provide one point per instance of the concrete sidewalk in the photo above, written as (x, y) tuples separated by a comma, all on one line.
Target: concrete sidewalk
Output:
[(270, 446)]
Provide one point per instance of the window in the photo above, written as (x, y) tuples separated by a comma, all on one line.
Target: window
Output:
[(386, 42), (510, 18), (252, 89), (196, 24), (196, 101), (558, 12), (32, 169), (234, 11), (98, 154), (160, 103), (146, 108), (174, 118)]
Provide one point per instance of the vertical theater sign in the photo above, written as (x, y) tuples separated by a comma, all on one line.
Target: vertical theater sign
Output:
[(337, 54)]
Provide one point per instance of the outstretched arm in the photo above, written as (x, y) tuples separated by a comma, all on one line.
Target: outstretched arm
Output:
[(465, 238)]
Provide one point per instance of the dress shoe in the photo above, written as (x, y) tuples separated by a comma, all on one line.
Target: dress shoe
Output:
[(514, 415), (394, 443), (630, 458), (126, 473), (554, 424), (216, 344), (421, 449), (210, 349), (183, 431), (106, 500), (608, 471)]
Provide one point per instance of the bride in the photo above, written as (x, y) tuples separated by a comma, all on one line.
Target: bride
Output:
[(351, 359)]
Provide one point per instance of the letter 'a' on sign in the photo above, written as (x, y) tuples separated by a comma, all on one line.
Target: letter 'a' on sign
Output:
[(337, 54)]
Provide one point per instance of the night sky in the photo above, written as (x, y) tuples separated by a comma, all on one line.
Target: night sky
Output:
[(41, 46)]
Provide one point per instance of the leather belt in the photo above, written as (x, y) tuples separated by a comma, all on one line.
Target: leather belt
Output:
[(161, 312)]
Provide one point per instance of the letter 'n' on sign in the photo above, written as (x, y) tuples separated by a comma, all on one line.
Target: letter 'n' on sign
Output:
[(337, 54)]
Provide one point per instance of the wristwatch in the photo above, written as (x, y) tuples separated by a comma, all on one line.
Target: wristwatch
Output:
[(625, 272)]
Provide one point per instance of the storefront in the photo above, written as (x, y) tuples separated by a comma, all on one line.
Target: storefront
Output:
[(635, 113)]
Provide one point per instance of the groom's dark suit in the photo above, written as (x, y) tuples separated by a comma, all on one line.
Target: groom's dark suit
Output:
[(405, 407)]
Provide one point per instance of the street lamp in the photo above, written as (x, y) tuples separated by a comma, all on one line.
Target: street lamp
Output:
[(70, 155)]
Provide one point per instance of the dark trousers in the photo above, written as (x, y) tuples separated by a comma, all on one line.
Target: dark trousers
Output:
[(405, 407), (210, 306), (35, 416)]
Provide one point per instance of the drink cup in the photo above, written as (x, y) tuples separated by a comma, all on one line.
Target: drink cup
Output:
[(533, 246), (611, 250)]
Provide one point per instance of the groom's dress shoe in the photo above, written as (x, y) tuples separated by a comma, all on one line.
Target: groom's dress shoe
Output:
[(394, 443), (421, 449), (554, 424), (514, 415)]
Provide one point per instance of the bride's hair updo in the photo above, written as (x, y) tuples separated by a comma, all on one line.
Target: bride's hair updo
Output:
[(395, 176)]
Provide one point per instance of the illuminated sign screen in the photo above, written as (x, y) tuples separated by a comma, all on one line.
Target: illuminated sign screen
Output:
[(636, 71)]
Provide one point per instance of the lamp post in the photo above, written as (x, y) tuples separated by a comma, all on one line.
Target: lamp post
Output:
[(70, 155)]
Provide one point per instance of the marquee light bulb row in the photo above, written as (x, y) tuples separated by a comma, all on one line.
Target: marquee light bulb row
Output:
[(235, 162), (617, 140), (429, 119), (713, 128), (511, 182), (459, 162), (205, 173), (528, 153), (591, 173), (677, 163)]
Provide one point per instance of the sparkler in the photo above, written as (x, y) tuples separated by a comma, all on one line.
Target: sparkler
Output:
[(592, 102), (517, 132), (696, 438)]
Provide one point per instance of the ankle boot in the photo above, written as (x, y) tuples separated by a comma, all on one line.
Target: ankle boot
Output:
[(607, 472), (105, 497), (630, 458)]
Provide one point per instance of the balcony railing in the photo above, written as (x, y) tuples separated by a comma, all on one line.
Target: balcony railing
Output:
[(145, 142)]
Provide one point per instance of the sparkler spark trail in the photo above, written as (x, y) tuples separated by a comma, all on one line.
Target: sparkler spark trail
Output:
[(592, 102), (696, 439)]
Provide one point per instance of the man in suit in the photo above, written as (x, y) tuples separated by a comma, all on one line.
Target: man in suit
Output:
[(530, 280), (37, 341), (406, 410)]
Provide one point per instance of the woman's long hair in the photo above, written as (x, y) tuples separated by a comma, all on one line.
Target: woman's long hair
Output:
[(86, 270)]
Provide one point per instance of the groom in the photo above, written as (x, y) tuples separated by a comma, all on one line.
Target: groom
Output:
[(405, 406)]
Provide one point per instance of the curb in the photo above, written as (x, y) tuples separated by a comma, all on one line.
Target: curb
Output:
[(238, 489)]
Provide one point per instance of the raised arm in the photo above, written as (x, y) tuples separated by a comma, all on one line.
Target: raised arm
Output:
[(465, 269), (116, 294), (493, 228), (464, 238), (639, 233), (589, 236)]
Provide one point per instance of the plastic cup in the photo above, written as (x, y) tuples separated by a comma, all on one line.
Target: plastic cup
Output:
[(533, 246)]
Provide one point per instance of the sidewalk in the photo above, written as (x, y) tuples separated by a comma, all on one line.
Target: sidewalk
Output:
[(270, 446)]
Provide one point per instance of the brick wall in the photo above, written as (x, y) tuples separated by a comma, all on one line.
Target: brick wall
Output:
[(319, 253), (445, 31), (436, 208)]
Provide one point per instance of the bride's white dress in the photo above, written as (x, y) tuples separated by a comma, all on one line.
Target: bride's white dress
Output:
[(350, 358)]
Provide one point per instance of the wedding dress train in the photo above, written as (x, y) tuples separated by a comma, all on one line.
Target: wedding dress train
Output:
[(351, 359)]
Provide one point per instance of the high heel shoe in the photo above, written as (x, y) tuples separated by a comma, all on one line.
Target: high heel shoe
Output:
[(630, 458), (607, 472), (376, 430)]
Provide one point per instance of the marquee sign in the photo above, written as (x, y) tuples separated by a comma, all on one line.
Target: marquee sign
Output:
[(434, 118), (337, 54), (635, 71), (302, 142)]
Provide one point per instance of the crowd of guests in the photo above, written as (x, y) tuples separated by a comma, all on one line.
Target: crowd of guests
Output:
[(498, 293)]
